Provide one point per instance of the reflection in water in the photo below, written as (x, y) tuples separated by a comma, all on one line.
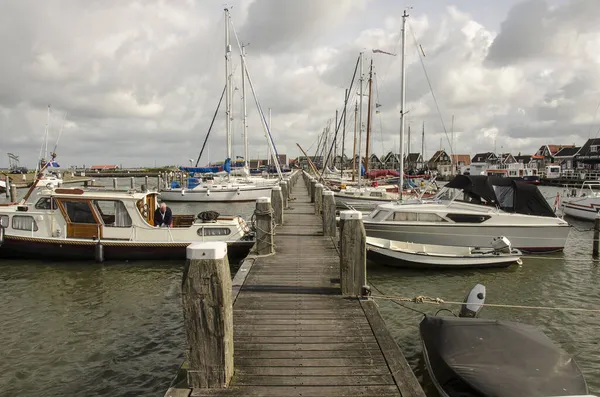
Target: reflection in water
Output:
[(116, 329)]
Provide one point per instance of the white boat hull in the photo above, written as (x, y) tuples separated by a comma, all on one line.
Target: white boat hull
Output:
[(217, 194), (525, 238), (586, 208), (436, 256)]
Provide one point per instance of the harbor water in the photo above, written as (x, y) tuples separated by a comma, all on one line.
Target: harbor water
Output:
[(115, 329)]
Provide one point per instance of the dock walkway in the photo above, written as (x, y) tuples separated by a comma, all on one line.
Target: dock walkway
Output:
[(294, 334)]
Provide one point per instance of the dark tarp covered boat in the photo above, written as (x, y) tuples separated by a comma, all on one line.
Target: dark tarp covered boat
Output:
[(471, 357)]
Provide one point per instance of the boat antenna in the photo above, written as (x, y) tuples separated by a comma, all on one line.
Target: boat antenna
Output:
[(60, 132)]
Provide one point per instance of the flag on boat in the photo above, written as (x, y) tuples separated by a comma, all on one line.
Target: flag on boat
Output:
[(383, 52), (53, 164), (227, 165), (556, 202)]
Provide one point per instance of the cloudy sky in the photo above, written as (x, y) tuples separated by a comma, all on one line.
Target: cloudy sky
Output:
[(140, 80)]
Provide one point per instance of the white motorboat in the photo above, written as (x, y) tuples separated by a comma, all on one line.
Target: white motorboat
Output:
[(469, 212), (217, 193), (405, 254), (584, 204), (50, 181), (69, 223)]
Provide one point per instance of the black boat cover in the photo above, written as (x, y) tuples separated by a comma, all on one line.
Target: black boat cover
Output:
[(508, 194), (471, 357)]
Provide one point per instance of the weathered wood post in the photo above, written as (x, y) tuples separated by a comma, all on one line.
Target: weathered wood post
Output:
[(146, 183), (7, 180), (208, 315), (132, 182), (318, 198), (313, 189), (596, 241), (329, 227), (115, 183), (277, 204), (308, 185), (285, 192), (264, 226), (13, 193), (353, 253), (158, 182)]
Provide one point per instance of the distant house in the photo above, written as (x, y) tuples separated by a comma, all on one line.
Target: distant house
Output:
[(340, 162), (565, 157), (374, 162), (525, 159), (545, 154), (588, 156), (391, 161), (257, 163), (487, 158), (99, 168), (316, 160), (461, 162), (441, 162), (507, 158), (414, 161)]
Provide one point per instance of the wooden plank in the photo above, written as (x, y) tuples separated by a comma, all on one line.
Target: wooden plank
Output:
[(303, 370), (343, 322), (304, 339), (289, 354), (304, 391), (240, 277), (308, 346), (331, 327), (238, 334), (292, 380), (403, 375)]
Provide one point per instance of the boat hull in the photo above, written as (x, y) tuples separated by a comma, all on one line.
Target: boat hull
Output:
[(243, 194), (410, 260), (79, 249), (582, 208), (525, 238)]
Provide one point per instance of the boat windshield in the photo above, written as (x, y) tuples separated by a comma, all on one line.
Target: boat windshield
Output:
[(447, 194)]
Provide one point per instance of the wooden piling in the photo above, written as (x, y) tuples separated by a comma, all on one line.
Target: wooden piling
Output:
[(285, 192), (329, 227), (313, 189), (596, 241), (208, 315), (115, 183), (13, 193), (7, 180), (353, 253), (264, 226), (318, 198), (132, 182), (158, 182), (146, 183), (277, 204)]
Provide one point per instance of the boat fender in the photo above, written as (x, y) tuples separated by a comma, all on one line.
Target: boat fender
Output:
[(366, 290), (99, 252), (473, 302), (182, 192), (1, 235), (207, 192), (238, 190)]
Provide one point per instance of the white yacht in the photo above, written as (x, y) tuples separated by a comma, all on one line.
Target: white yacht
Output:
[(50, 180), (69, 223), (584, 204), (469, 212)]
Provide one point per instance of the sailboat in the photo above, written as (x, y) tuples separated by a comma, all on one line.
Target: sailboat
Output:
[(216, 184)]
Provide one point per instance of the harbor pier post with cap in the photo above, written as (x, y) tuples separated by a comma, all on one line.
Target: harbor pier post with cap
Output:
[(208, 315), (7, 180), (285, 192), (132, 182), (596, 241), (318, 198), (329, 226), (313, 190), (277, 204), (13, 193), (264, 226), (115, 185), (353, 254)]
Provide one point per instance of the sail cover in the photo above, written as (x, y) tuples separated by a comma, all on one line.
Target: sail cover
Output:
[(479, 357)]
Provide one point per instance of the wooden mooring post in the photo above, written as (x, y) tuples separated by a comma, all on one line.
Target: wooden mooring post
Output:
[(146, 186), (329, 227), (313, 190), (13, 193), (264, 226), (208, 315), (132, 182), (115, 185), (596, 241), (7, 180), (318, 198), (353, 254), (277, 204), (285, 192)]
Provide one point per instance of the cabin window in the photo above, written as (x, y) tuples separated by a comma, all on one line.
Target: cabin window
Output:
[(213, 231), (506, 196), (45, 203), (79, 212), (4, 220), (380, 215), (376, 194), (23, 222), (405, 216), (113, 213), (425, 217)]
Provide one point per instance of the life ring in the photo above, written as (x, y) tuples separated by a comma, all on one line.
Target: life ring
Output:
[(243, 224)]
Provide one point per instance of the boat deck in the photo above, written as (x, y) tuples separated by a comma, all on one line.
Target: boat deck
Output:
[(294, 335)]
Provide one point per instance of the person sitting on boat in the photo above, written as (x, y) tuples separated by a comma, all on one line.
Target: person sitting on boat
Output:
[(163, 217)]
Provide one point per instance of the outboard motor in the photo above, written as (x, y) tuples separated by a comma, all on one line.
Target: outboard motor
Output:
[(473, 302), (501, 245), (208, 216)]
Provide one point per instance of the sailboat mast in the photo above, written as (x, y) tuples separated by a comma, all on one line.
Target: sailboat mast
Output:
[(423, 145), (354, 147), (337, 123), (343, 133), (408, 143), (360, 120), (227, 85), (369, 117), (402, 111), (243, 54), (270, 129)]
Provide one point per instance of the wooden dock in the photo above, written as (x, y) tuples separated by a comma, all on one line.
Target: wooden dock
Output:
[(294, 334)]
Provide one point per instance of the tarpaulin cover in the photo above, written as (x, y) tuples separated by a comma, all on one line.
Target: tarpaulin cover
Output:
[(506, 193), (200, 170), (381, 173), (478, 357)]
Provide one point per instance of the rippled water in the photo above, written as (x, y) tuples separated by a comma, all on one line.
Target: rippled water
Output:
[(116, 329)]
